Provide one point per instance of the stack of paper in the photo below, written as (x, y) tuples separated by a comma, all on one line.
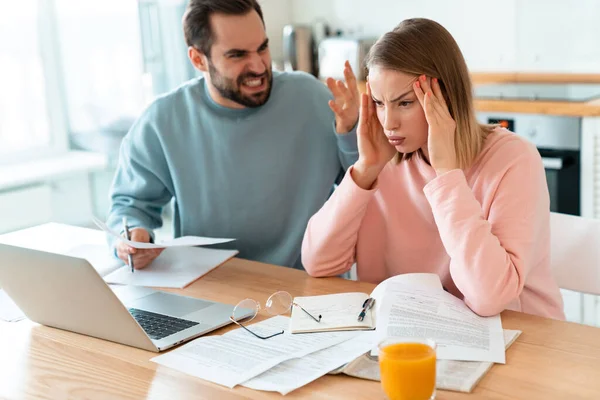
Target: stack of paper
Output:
[(282, 363), (415, 305), (459, 376), (411, 305)]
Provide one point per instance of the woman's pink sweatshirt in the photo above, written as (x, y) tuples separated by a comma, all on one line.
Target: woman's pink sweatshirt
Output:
[(484, 231)]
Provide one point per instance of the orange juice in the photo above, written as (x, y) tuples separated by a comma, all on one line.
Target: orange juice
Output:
[(407, 369)]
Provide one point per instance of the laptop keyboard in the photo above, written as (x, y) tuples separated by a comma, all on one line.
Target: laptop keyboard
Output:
[(159, 326)]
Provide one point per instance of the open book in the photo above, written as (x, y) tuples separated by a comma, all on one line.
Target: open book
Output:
[(408, 305), (340, 311)]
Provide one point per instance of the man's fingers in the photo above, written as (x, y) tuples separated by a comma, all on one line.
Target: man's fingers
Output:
[(343, 91), (332, 85), (350, 77), (334, 107)]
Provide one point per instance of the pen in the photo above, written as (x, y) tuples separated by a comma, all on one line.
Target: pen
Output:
[(126, 229), (365, 307)]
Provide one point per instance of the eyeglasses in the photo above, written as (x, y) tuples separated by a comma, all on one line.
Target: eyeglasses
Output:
[(278, 303)]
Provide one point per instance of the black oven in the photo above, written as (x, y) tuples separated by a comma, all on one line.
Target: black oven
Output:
[(558, 139), (563, 174)]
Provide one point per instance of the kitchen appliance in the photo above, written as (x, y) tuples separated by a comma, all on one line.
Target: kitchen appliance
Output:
[(557, 138), (299, 49), (334, 51)]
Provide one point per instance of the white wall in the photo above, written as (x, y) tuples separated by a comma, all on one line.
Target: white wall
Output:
[(494, 35), (277, 14)]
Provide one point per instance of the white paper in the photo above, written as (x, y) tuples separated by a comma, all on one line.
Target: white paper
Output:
[(67, 240), (9, 311), (338, 311), (461, 376), (293, 374), (238, 356), (177, 242), (423, 280), (460, 334), (99, 255), (173, 268)]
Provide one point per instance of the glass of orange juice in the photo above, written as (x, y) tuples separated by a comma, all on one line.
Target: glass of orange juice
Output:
[(407, 367)]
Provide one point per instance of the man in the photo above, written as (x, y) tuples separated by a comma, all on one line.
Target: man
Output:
[(246, 153)]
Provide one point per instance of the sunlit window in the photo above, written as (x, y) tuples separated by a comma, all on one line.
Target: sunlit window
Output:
[(24, 115)]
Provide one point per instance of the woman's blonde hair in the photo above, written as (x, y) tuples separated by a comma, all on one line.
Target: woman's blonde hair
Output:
[(421, 46)]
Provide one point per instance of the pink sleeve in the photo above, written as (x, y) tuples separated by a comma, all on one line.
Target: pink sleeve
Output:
[(329, 243), (491, 257)]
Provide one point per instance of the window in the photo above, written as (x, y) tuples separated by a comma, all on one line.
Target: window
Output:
[(78, 74), (101, 61), (28, 125)]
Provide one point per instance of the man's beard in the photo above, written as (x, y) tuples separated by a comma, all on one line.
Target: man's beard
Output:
[(231, 90)]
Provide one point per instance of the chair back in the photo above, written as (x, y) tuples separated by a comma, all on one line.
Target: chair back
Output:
[(575, 252)]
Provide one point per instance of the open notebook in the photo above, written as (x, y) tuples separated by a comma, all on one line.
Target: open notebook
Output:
[(339, 312)]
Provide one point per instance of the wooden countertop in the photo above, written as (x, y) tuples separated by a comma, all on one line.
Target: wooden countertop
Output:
[(572, 109), (532, 77), (550, 360)]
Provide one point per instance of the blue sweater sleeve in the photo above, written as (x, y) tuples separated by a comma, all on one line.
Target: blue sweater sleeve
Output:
[(347, 147), (141, 187)]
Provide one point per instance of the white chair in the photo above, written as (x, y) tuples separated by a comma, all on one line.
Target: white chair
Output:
[(575, 262), (575, 252)]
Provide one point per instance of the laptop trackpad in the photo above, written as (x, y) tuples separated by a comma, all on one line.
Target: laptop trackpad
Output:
[(169, 304)]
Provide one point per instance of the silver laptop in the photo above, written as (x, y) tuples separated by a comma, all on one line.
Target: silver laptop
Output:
[(67, 293)]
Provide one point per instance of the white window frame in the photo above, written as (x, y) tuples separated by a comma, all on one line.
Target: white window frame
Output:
[(54, 84)]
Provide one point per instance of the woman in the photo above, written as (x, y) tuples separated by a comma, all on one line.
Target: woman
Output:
[(434, 190)]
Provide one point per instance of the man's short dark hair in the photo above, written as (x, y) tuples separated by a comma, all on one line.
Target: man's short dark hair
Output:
[(196, 20)]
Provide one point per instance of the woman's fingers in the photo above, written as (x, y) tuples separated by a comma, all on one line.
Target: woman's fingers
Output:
[(371, 102), (419, 92), (437, 90), (363, 115)]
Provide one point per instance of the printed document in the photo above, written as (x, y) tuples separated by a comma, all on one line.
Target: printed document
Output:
[(293, 374), (460, 376), (423, 312), (181, 241), (238, 356)]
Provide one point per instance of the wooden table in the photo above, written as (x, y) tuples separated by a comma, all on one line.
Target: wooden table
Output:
[(550, 360)]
